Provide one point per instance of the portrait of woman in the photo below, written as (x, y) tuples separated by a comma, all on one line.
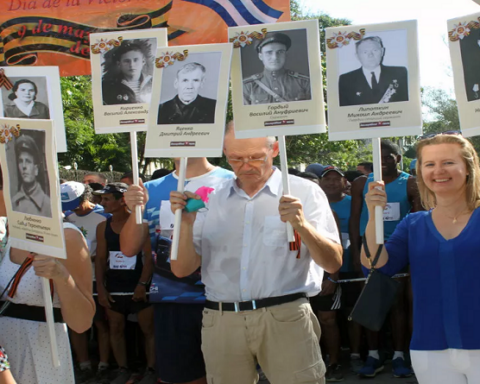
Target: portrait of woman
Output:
[(127, 78), (24, 105)]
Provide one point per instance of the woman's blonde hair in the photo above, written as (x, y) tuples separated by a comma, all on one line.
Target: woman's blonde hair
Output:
[(470, 158)]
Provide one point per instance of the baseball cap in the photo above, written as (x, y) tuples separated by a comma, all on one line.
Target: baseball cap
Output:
[(413, 164), (70, 193), (118, 188), (275, 38), (315, 168), (331, 168)]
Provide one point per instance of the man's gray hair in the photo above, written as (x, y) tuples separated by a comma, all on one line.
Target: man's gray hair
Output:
[(376, 39), (190, 67)]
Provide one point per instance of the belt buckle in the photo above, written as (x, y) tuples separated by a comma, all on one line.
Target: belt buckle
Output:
[(254, 305), (237, 306)]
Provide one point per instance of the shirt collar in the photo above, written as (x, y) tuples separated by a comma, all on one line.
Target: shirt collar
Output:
[(36, 195), (368, 74), (274, 74), (272, 185)]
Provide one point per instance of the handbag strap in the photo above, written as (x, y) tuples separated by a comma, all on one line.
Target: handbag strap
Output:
[(367, 252)]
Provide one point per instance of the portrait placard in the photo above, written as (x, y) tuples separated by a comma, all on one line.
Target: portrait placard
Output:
[(464, 44), (373, 81), (33, 94), (31, 186), (189, 101), (277, 79), (122, 77)]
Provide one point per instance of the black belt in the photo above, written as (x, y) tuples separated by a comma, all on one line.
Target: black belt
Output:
[(30, 312), (254, 304)]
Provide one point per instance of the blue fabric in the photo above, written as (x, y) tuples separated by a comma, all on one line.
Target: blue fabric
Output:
[(396, 193), (445, 281), (167, 288), (342, 209)]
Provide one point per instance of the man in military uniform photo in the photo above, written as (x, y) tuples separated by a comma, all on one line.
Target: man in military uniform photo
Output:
[(275, 84), (188, 107), (470, 49), (30, 198), (373, 82)]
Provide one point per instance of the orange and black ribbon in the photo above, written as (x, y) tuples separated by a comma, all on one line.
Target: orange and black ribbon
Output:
[(297, 244), (5, 81), (21, 38)]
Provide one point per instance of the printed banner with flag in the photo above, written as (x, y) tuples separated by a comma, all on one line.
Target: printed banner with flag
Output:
[(56, 32)]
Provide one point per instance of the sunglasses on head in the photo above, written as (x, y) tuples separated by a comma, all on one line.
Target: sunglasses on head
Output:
[(430, 135)]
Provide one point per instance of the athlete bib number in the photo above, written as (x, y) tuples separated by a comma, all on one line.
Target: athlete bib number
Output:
[(119, 261), (391, 212)]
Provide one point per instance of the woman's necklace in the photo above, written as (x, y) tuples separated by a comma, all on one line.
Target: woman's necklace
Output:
[(455, 218)]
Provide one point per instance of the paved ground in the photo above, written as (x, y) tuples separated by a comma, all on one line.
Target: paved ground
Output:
[(385, 377)]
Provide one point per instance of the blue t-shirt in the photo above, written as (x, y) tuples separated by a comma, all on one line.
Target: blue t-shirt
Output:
[(166, 287), (342, 208), (445, 281), (398, 205)]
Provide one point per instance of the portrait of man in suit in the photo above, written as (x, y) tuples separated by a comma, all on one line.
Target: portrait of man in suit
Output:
[(188, 106), (373, 82), (470, 50)]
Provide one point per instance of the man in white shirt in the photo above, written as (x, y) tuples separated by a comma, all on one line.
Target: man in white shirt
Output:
[(256, 286)]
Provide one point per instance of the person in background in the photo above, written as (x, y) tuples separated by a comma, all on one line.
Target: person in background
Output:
[(315, 168), (403, 198), (159, 173), (309, 176), (365, 168), (441, 245), (178, 303), (95, 177), (117, 274), (127, 178), (413, 170), (86, 216)]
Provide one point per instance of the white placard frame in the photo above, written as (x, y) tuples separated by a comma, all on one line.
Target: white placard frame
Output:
[(47, 81), (306, 115), (364, 118), (168, 136), (463, 41), (127, 117)]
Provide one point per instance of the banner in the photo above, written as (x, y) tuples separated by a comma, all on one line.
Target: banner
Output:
[(56, 32)]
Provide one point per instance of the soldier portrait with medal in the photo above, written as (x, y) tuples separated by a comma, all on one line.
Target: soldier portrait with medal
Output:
[(276, 83), (373, 82)]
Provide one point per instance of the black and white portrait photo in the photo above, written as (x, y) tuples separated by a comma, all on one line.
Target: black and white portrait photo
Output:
[(276, 69), (127, 72), (189, 90), (374, 70), (28, 99), (29, 181), (470, 50)]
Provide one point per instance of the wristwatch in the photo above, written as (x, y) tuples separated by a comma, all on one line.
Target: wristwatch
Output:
[(144, 283)]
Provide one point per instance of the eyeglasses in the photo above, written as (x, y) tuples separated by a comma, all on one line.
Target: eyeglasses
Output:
[(252, 162), (431, 135)]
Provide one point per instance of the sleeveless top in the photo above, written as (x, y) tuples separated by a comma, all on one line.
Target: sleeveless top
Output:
[(398, 205), (123, 273)]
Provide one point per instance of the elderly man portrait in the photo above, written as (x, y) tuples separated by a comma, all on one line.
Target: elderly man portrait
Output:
[(188, 106), (373, 82), (275, 84), (30, 198)]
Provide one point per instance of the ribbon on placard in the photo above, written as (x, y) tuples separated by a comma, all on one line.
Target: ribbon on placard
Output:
[(4, 80), (462, 30), (169, 58), (104, 45), (341, 39), (243, 39), (19, 44), (8, 132)]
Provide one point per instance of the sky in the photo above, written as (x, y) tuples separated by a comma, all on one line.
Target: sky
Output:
[(432, 16)]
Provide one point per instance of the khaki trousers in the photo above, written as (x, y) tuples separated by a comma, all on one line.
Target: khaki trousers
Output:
[(284, 339)]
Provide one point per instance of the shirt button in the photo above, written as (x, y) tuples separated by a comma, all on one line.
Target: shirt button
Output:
[(244, 290), (277, 100), (276, 89)]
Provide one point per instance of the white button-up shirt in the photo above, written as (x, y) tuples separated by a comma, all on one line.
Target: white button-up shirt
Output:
[(244, 246)]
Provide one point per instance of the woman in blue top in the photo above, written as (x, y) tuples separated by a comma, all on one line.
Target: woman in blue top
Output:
[(442, 247)]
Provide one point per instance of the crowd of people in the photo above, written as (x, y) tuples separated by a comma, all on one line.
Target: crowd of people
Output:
[(241, 302)]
